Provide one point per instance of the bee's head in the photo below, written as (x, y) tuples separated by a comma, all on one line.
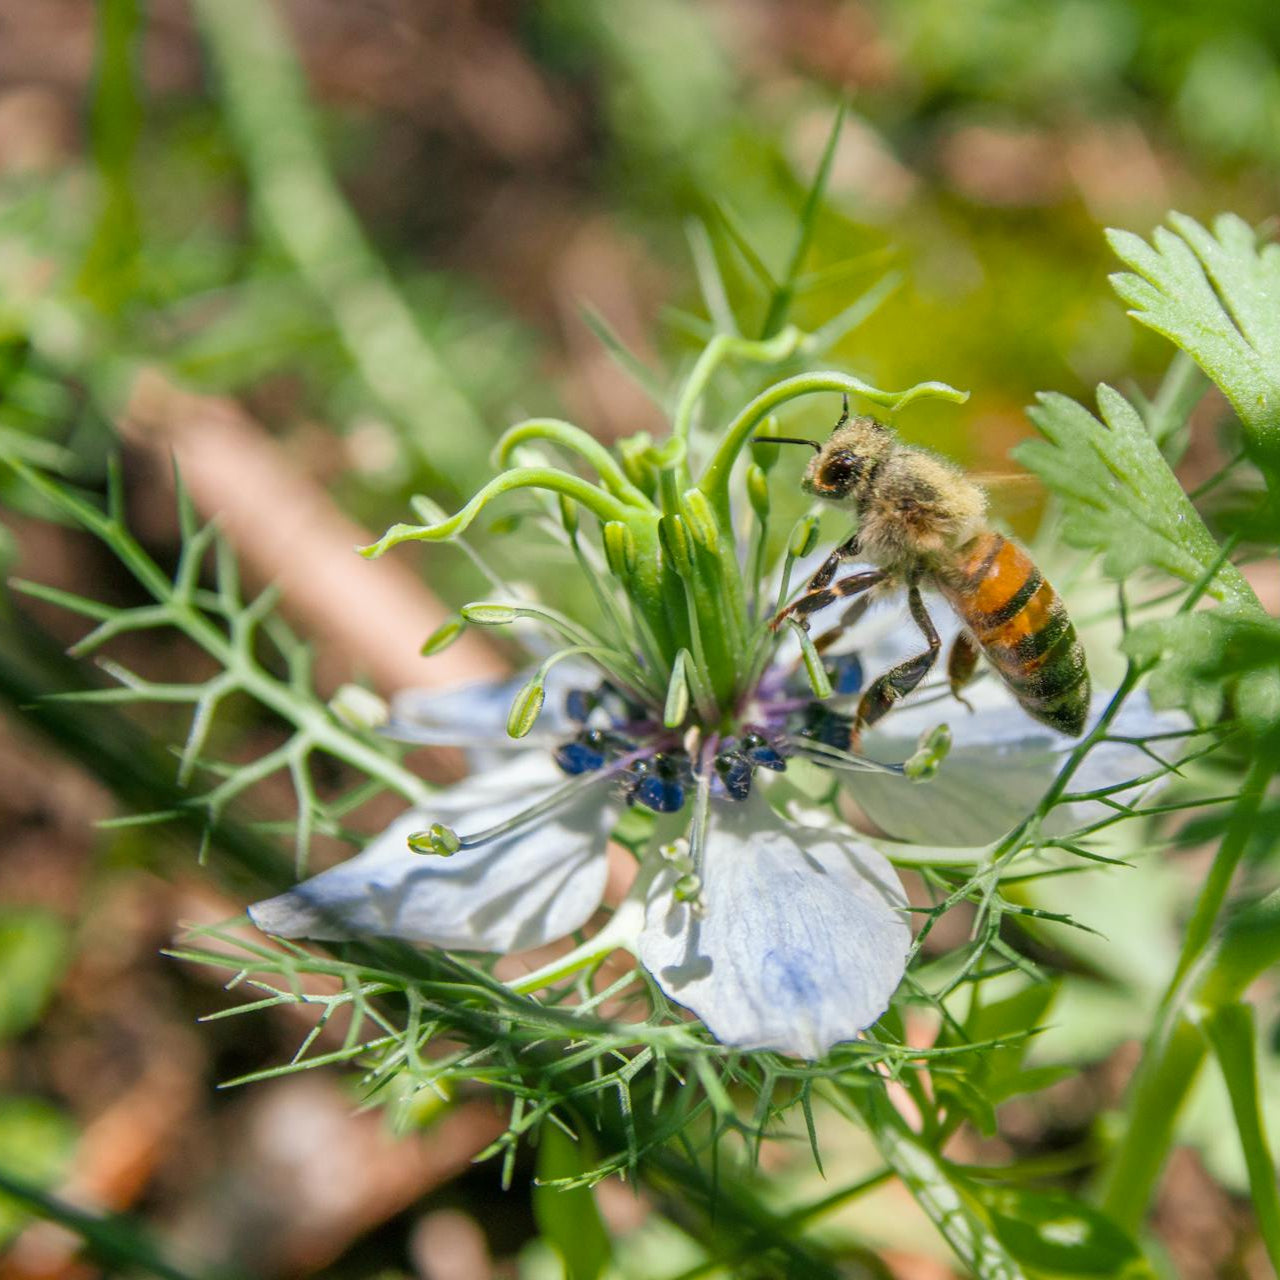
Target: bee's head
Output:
[(843, 467)]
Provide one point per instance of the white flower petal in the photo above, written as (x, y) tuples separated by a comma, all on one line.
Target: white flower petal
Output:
[(516, 892), (1001, 763), (803, 943)]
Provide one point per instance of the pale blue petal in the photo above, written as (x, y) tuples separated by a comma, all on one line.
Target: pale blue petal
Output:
[(803, 942), (477, 713), (513, 893), (1001, 764)]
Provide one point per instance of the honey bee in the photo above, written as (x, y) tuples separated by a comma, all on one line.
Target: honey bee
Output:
[(921, 521)]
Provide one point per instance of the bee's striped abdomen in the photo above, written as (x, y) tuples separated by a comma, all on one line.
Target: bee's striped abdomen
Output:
[(1022, 626)]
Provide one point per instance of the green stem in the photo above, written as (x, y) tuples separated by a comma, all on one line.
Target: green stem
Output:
[(715, 480), (599, 503), (1169, 1067), (621, 931), (927, 1177), (1176, 1046), (297, 200), (722, 347), (567, 436), (1213, 893)]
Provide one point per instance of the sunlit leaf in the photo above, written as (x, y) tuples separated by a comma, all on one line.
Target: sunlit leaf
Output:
[(1060, 1236)]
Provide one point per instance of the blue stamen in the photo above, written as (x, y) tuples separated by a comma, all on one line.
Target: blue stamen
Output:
[(578, 757), (760, 751), (659, 782), (590, 750), (734, 771), (579, 704)]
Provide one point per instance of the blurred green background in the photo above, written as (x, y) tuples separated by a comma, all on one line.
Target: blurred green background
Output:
[(387, 229)]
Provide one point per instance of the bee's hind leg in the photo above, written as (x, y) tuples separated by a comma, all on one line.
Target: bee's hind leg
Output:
[(812, 600), (961, 662), (899, 681)]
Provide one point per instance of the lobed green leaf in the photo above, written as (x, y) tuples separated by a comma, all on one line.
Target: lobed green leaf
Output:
[(1120, 498), (1217, 296)]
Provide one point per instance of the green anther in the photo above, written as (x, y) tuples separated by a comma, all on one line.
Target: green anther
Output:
[(490, 615), (930, 752), (525, 709), (438, 841), (569, 515), (687, 887), (677, 545), (619, 548), (443, 636), (758, 491), (677, 704), (819, 681), (804, 537), (359, 708), (701, 519)]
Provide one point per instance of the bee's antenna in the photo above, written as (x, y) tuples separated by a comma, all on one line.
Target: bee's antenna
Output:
[(813, 444), (844, 412)]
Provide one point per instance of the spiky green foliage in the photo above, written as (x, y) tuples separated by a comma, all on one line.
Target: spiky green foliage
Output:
[(232, 631)]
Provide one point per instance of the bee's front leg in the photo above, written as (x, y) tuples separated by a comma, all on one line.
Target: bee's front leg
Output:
[(899, 681), (812, 601), (827, 569)]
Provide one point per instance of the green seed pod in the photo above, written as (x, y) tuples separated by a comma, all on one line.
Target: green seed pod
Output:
[(677, 545), (758, 491), (804, 537), (930, 752), (443, 636), (764, 454), (569, 515), (701, 519), (525, 709), (484, 614), (438, 841), (637, 464), (620, 548)]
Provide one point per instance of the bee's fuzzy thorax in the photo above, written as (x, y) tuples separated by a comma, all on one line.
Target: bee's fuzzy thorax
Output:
[(915, 509)]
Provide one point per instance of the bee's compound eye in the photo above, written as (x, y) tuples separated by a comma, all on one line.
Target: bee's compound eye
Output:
[(840, 471)]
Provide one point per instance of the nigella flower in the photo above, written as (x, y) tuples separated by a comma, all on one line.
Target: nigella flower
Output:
[(779, 932), (778, 936)]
